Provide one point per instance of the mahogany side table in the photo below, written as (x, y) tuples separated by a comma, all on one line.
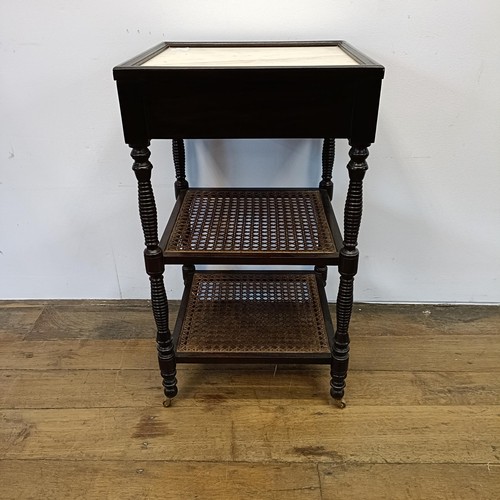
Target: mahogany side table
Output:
[(183, 91)]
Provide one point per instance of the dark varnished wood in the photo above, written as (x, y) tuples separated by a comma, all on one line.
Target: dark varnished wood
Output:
[(348, 265), (155, 267), (326, 184), (179, 155), (328, 157), (208, 102)]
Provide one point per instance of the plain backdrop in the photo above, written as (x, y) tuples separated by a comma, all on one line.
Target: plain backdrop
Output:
[(69, 226)]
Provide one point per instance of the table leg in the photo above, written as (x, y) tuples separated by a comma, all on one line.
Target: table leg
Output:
[(348, 266), (153, 257), (327, 159), (179, 155)]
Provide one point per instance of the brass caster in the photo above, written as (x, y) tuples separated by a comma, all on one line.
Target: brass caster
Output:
[(340, 403), (167, 403)]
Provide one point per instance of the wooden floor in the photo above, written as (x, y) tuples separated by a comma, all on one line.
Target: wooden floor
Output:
[(82, 415)]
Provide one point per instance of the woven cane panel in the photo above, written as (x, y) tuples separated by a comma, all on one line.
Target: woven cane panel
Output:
[(251, 221), (254, 313)]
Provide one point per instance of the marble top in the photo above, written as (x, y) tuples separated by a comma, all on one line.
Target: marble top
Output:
[(252, 57)]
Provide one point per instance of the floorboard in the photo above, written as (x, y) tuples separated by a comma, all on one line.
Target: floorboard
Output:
[(284, 385)]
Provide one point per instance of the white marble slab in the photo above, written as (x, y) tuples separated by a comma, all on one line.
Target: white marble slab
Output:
[(252, 57)]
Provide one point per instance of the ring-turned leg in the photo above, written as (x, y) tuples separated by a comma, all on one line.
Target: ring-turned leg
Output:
[(179, 155), (153, 257), (327, 158), (348, 266)]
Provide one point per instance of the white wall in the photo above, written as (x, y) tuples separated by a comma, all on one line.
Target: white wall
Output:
[(68, 220)]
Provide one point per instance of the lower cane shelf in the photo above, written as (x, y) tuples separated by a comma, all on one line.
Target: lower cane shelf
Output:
[(260, 316)]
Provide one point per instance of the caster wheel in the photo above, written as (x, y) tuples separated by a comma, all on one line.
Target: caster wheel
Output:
[(340, 403), (167, 403)]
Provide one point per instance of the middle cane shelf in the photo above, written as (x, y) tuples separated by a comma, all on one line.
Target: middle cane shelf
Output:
[(257, 316), (252, 226)]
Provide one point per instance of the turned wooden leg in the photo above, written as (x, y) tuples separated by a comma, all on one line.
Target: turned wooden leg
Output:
[(348, 266), (164, 346), (181, 183), (327, 158), (153, 257), (179, 155)]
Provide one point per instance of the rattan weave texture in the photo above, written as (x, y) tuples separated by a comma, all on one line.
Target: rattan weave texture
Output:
[(251, 221), (269, 312)]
